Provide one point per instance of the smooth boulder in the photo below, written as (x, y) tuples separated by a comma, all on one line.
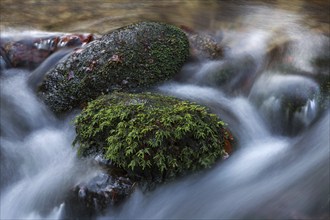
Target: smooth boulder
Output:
[(131, 58)]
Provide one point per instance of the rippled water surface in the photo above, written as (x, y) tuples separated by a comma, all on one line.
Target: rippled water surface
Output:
[(280, 169)]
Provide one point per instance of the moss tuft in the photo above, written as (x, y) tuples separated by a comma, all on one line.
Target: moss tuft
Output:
[(151, 136)]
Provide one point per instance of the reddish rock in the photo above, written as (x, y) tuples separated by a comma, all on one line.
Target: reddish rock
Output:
[(30, 51)]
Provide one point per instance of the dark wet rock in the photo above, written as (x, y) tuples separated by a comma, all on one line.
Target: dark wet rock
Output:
[(232, 74), (37, 75), (103, 190), (203, 45), (322, 63), (322, 76), (98, 194), (131, 58), (288, 102), (324, 82), (318, 73), (152, 137), (30, 50)]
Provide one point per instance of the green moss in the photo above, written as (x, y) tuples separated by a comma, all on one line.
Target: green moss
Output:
[(153, 136), (129, 59)]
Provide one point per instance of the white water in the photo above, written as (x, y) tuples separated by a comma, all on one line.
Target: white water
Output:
[(285, 176), (38, 164), (271, 175)]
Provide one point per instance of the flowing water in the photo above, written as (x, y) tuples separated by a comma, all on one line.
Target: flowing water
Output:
[(280, 168)]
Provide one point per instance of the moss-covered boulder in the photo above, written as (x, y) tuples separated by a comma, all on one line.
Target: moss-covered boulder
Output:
[(150, 136), (131, 58)]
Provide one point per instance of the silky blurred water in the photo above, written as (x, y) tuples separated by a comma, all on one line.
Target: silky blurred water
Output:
[(280, 167)]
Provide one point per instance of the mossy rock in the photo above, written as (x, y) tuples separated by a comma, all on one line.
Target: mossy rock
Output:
[(131, 58), (151, 136)]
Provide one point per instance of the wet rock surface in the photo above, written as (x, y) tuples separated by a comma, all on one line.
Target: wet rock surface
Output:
[(108, 188), (203, 46), (289, 109), (31, 49), (131, 58), (103, 190), (233, 75)]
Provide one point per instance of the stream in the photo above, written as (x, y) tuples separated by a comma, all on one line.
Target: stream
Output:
[(280, 166)]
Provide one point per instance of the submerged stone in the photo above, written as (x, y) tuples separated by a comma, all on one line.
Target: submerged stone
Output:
[(131, 58), (233, 75), (288, 102)]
